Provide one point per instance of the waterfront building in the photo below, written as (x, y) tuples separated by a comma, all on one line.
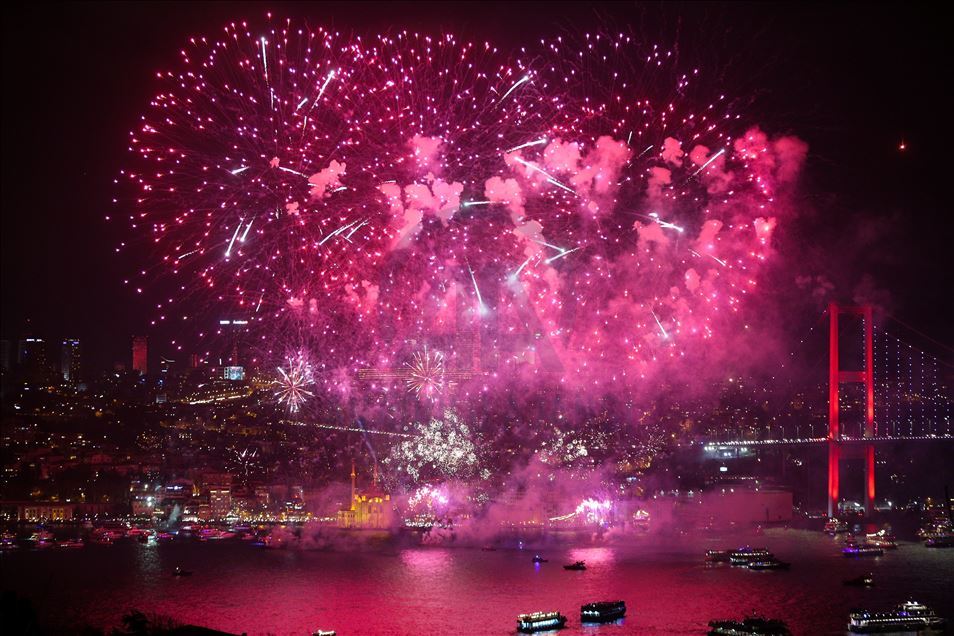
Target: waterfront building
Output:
[(369, 510)]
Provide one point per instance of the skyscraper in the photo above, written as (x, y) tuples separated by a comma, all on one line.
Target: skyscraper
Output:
[(139, 359), (70, 361), (32, 361)]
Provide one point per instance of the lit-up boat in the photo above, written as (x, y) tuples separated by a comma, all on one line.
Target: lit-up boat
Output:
[(70, 543), (744, 555), (833, 526), (325, 632), (769, 564), (717, 556), (602, 612), (750, 626), (910, 617), (861, 551), (540, 622), (539, 559)]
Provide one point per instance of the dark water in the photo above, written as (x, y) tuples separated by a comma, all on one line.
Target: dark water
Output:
[(666, 585)]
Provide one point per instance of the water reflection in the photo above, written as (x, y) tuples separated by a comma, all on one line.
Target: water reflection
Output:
[(427, 561), (593, 556)]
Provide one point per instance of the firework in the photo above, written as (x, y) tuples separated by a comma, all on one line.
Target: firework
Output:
[(426, 374), (591, 201), (442, 447), (294, 382)]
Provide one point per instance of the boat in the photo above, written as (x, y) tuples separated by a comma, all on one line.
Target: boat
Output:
[(943, 541), (909, 617), (539, 559), (324, 632), (42, 539), (862, 551), (602, 611), (865, 580), (70, 543), (769, 564), (717, 556), (180, 572), (749, 626), (884, 544), (579, 565), (744, 555), (540, 622), (834, 526)]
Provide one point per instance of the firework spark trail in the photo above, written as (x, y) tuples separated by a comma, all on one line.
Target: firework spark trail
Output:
[(711, 159), (433, 159), (525, 78), (662, 330)]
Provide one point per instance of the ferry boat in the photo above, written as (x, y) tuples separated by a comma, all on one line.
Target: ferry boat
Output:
[(602, 612), (743, 556), (862, 551), (865, 580), (579, 565), (540, 622), (750, 626), (833, 526), (909, 617), (769, 564), (717, 556)]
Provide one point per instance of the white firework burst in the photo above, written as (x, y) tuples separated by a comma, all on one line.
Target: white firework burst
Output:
[(426, 379), (292, 384)]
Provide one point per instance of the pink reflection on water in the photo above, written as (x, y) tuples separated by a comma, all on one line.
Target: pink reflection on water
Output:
[(593, 556), (426, 561)]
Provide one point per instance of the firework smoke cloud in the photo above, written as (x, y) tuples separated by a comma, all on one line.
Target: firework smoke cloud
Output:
[(589, 210)]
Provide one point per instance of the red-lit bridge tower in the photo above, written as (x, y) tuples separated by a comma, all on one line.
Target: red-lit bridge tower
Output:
[(837, 377)]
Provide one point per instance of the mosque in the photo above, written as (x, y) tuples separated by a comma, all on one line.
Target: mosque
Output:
[(370, 510)]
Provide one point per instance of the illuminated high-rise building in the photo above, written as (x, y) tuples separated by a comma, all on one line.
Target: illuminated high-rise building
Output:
[(70, 361), (139, 350), (32, 360)]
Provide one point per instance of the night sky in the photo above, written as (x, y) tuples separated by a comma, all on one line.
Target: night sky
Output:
[(852, 81)]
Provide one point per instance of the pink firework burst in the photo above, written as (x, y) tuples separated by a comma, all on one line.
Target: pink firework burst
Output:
[(599, 207)]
